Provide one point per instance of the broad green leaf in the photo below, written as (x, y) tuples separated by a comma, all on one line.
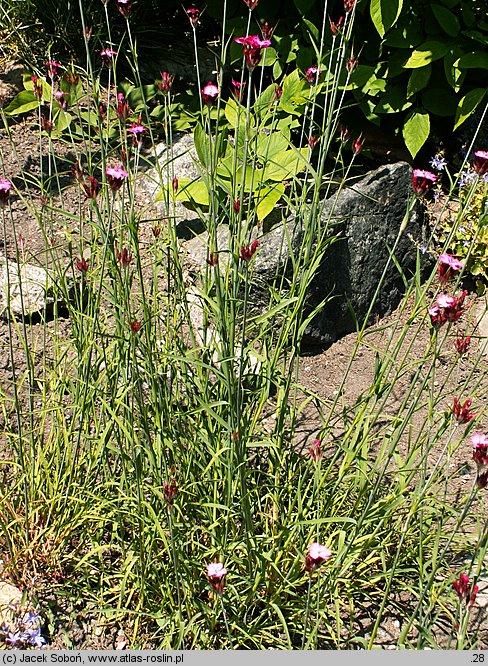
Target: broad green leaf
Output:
[(22, 103), (292, 86), (476, 59), (303, 5), (393, 101), (446, 19), (62, 120), (47, 90), (455, 76), (384, 14), (419, 78), (269, 146), (234, 112), (269, 57), (267, 199), (426, 53), (289, 164), (467, 105), (416, 130), (404, 37)]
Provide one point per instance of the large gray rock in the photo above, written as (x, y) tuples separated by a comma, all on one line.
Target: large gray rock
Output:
[(365, 219), (25, 289)]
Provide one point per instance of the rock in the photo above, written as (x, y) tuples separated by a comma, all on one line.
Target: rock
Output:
[(25, 288), (10, 600), (366, 219)]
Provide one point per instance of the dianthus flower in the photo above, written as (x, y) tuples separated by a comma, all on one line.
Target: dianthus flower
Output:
[(137, 130), (5, 187), (481, 162), (251, 4), (52, 68), (238, 89), (349, 5), (248, 251), (115, 177), (357, 145), (253, 46), (124, 7), (463, 589), (422, 181), (461, 343), (447, 308), (92, 187), (316, 555), (210, 93), (312, 74), (216, 574), (107, 55), (193, 15), (335, 27), (479, 443), (166, 82), (448, 266), (461, 412), (122, 110), (315, 450)]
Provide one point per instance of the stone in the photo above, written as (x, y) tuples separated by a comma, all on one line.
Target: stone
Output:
[(10, 600), (24, 288), (365, 219)]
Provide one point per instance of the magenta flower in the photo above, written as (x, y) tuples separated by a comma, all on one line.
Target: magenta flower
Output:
[(465, 591), (312, 74), (248, 251), (52, 68), (61, 99), (5, 187), (137, 130), (349, 5), (316, 555), (169, 491), (448, 266), (422, 181), (315, 450), (253, 46), (175, 184), (447, 308), (251, 4), (107, 56), (461, 343), (461, 412), (267, 31), (216, 574), (210, 93), (481, 162), (479, 443), (124, 7), (116, 177), (37, 87), (312, 142)]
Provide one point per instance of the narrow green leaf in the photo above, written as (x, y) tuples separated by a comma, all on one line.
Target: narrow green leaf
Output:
[(467, 105), (416, 130), (384, 14)]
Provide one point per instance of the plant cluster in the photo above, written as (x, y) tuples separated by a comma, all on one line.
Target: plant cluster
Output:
[(150, 468)]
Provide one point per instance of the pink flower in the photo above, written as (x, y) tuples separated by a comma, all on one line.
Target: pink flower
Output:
[(210, 93), (107, 56), (315, 450), (344, 134), (137, 130), (481, 162), (349, 5), (267, 31), (52, 68), (216, 574), (252, 45), (115, 177), (166, 82), (480, 456), (464, 590), (461, 344), (251, 4), (175, 184), (61, 99), (461, 412), (448, 265), (422, 181), (169, 491), (312, 74), (37, 89), (316, 555), (248, 251), (5, 187), (312, 142), (124, 7), (447, 308)]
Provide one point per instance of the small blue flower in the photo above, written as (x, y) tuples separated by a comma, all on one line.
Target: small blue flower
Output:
[(438, 163)]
